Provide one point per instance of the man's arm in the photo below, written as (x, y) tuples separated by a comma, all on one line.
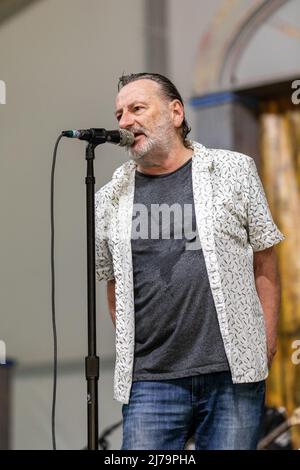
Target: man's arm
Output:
[(267, 282), (111, 299)]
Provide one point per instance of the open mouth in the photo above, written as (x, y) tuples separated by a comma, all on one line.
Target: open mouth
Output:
[(138, 135)]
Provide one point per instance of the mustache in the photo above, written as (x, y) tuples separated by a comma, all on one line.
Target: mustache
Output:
[(137, 130)]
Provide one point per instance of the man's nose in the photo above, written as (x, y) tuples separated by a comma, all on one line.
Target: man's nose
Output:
[(126, 120)]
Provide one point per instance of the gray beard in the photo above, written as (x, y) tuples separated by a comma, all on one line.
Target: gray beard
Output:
[(145, 155), (154, 151)]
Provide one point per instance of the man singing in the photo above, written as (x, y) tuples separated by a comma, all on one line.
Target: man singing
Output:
[(185, 240)]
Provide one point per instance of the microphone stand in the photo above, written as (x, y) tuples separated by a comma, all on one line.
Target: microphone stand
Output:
[(94, 137), (92, 360)]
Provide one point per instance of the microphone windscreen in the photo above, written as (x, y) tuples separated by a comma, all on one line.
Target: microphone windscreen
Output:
[(126, 138)]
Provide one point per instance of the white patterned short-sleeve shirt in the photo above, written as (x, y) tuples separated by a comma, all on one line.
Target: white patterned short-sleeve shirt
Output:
[(233, 221)]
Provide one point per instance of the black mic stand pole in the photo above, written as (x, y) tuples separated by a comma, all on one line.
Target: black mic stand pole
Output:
[(92, 360)]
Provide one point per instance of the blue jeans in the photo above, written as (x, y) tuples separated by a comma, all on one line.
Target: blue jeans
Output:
[(162, 415)]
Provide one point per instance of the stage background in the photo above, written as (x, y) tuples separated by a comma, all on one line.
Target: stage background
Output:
[(61, 61)]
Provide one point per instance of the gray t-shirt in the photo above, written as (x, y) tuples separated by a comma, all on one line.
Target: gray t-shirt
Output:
[(176, 327)]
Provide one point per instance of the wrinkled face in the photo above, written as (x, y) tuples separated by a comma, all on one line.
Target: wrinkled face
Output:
[(142, 109)]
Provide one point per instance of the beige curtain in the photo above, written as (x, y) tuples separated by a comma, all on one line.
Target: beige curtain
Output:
[(280, 171)]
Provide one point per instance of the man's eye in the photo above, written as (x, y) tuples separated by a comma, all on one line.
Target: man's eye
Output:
[(137, 108)]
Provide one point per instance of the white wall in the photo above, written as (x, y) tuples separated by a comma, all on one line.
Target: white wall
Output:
[(31, 425), (272, 53), (60, 61)]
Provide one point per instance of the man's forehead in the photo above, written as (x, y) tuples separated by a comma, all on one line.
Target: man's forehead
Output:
[(138, 90)]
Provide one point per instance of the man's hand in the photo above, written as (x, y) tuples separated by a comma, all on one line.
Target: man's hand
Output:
[(271, 353), (267, 282), (111, 299)]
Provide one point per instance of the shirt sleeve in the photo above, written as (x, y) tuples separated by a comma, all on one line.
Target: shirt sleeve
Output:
[(104, 262), (262, 231)]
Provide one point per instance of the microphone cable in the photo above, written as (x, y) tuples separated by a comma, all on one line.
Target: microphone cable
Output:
[(124, 138), (53, 294)]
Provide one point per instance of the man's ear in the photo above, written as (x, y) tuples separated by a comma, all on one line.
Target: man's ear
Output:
[(177, 112)]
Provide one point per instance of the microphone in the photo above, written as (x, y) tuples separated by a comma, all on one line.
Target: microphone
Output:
[(120, 137)]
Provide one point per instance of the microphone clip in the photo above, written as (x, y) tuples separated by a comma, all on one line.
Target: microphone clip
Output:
[(96, 136)]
